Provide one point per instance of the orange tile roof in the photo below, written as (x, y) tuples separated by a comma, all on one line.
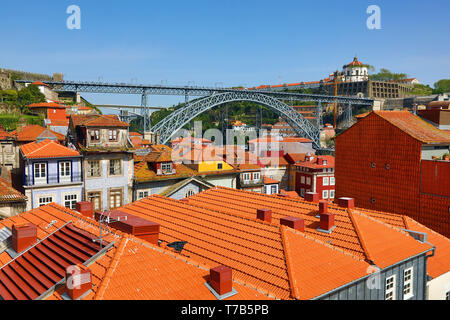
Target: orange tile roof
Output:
[(4, 135), (440, 262), (8, 193), (414, 126), (134, 134), (32, 132), (268, 180), (39, 83), (345, 236), (316, 267), (59, 123), (47, 149), (98, 120), (381, 245), (132, 268), (47, 105), (144, 173), (293, 158), (314, 165)]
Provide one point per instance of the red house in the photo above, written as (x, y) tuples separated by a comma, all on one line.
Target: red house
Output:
[(316, 174)]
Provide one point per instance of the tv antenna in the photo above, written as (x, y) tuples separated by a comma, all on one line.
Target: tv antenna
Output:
[(105, 219)]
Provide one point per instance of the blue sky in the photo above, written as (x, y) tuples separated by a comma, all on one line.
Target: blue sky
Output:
[(226, 42)]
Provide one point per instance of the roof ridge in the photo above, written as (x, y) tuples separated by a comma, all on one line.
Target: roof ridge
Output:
[(287, 262), (110, 269), (359, 234)]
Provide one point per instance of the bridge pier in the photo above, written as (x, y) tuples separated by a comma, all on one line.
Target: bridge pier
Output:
[(144, 110)]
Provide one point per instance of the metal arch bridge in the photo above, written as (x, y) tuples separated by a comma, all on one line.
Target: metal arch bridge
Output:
[(178, 119), (272, 99)]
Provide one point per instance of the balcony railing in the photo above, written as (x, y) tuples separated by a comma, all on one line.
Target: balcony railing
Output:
[(51, 179)]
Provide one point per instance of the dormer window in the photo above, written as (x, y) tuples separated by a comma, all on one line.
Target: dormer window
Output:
[(166, 168)]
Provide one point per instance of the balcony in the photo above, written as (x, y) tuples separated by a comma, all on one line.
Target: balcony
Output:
[(51, 180), (251, 183)]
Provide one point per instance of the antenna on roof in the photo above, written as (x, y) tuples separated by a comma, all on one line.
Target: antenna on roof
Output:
[(105, 219)]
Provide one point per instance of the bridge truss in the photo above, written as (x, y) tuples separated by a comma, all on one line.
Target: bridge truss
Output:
[(211, 96)]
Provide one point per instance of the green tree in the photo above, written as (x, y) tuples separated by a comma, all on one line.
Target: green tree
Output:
[(386, 75), (29, 95), (442, 86)]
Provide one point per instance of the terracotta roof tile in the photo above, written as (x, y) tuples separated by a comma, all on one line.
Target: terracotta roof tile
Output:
[(8, 193), (98, 120), (47, 149), (32, 132), (316, 268), (414, 126)]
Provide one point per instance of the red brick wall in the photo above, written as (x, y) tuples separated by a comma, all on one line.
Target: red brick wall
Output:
[(435, 196), (373, 139)]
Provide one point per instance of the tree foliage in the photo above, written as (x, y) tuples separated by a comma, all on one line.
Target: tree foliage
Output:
[(442, 86), (386, 75)]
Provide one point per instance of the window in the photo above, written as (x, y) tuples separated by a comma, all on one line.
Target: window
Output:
[(115, 167), (308, 181), (372, 165), (95, 198), (65, 171), (45, 200), (40, 173), (388, 166), (95, 135), (447, 295), (302, 180), (115, 198), (143, 194), (93, 169), (256, 176), (332, 181), (189, 192), (166, 168), (274, 189), (112, 135), (219, 166), (325, 194), (326, 181), (302, 192), (408, 283), (332, 194), (70, 201), (372, 200), (390, 288), (246, 176)]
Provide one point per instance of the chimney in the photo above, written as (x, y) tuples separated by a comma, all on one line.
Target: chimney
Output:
[(326, 222), (348, 203), (264, 215), (131, 224), (294, 223), (323, 206), (221, 280), (24, 235), (312, 197), (78, 281), (86, 208)]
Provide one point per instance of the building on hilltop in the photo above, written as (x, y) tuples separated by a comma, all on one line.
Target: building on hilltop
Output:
[(389, 161)]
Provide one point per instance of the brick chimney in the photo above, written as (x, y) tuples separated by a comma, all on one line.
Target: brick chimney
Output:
[(348, 203), (221, 279), (131, 224), (86, 208), (78, 281), (24, 235), (312, 197), (264, 215), (294, 223), (327, 222), (323, 206)]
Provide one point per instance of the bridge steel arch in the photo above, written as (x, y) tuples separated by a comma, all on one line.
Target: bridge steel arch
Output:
[(178, 119)]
